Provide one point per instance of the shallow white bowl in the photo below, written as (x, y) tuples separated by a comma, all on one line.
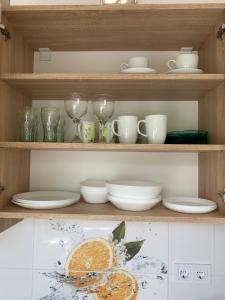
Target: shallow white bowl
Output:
[(95, 198), (140, 205), (134, 189)]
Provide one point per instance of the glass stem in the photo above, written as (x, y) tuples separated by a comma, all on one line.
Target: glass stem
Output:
[(101, 133), (76, 136)]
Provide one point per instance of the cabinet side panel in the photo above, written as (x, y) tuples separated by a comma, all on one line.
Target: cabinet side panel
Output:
[(15, 56), (212, 119)]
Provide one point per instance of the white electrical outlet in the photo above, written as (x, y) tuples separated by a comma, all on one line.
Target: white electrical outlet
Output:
[(193, 273)]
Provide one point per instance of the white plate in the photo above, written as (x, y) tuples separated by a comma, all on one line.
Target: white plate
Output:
[(46, 196), (189, 205), (186, 71), (48, 205), (138, 205), (138, 70)]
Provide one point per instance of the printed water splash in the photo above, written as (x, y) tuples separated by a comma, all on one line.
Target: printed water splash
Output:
[(75, 231)]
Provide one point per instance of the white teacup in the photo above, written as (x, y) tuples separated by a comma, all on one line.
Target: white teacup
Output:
[(185, 59), (135, 62), (127, 129), (156, 128)]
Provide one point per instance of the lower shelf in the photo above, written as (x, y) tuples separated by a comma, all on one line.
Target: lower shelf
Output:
[(85, 211)]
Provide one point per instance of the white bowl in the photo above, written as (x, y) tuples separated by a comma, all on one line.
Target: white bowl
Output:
[(95, 198), (93, 186), (134, 189), (140, 205)]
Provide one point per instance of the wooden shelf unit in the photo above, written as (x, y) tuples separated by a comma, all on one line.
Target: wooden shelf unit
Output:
[(112, 147), (135, 27), (121, 86)]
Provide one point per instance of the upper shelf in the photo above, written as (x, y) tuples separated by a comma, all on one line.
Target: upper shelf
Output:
[(116, 27), (121, 86)]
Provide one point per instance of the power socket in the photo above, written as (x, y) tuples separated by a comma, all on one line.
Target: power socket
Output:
[(193, 273)]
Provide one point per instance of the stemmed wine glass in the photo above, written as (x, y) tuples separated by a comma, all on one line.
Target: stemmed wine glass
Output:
[(76, 107), (103, 110)]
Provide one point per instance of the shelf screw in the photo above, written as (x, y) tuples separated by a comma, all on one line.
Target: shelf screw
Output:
[(4, 31), (221, 32)]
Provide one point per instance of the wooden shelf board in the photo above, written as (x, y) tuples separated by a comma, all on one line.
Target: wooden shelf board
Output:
[(107, 211), (47, 86), (115, 27), (112, 147)]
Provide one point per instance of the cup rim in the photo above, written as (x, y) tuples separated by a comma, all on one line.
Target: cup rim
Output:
[(156, 115)]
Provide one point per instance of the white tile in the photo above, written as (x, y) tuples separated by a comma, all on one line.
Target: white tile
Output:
[(190, 243), (54, 239), (219, 261), (193, 243), (220, 250), (16, 250), (15, 284)]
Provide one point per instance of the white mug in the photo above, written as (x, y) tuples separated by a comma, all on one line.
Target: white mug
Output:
[(156, 128), (127, 129), (185, 59), (135, 62)]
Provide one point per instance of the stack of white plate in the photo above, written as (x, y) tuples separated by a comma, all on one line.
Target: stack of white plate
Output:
[(94, 191), (189, 205), (45, 199), (134, 195)]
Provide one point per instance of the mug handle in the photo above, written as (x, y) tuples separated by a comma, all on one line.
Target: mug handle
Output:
[(169, 64), (113, 127), (80, 131), (138, 128), (124, 66)]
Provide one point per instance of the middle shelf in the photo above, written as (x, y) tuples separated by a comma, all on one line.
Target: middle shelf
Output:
[(113, 147), (124, 87)]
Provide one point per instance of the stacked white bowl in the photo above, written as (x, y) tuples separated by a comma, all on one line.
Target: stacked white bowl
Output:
[(94, 191), (134, 195)]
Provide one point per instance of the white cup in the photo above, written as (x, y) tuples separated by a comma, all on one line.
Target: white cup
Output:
[(185, 59), (127, 129), (156, 128), (135, 62)]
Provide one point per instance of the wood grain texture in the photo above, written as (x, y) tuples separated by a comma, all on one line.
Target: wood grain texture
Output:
[(112, 27), (85, 211), (112, 147), (122, 86), (7, 223), (15, 56), (212, 118)]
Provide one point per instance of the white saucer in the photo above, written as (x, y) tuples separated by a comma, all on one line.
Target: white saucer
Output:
[(186, 71), (139, 70), (189, 205)]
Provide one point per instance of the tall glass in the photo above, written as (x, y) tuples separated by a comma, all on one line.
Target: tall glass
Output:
[(50, 118), (103, 109), (76, 107), (28, 121)]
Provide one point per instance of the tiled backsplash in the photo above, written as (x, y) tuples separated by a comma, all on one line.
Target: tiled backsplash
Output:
[(34, 260)]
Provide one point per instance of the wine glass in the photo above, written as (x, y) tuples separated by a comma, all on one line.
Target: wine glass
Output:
[(76, 107), (103, 109)]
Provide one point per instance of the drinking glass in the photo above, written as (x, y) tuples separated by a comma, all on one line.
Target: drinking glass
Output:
[(61, 129), (50, 118), (103, 109), (28, 119), (76, 107)]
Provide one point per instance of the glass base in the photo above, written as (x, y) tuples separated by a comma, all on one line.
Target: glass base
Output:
[(76, 140)]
